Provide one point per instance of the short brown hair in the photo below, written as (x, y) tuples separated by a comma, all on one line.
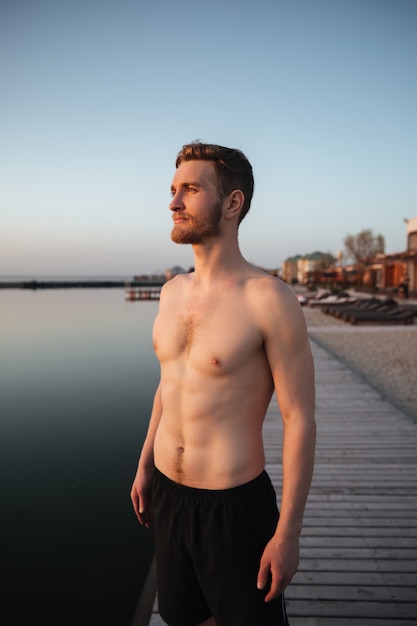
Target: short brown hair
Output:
[(232, 168)]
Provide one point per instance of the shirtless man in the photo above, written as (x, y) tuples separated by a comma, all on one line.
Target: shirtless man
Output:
[(227, 336)]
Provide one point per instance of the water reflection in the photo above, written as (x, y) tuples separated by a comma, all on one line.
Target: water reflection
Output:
[(77, 375)]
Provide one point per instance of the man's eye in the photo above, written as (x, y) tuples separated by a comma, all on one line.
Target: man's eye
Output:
[(191, 189)]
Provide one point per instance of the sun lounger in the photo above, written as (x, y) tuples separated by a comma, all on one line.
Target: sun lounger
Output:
[(339, 309), (371, 305), (331, 299), (393, 316)]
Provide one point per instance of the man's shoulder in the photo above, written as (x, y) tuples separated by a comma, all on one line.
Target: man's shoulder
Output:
[(275, 303), (175, 284), (266, 286)]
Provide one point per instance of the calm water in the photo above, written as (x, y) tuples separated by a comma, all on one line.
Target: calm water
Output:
[(77, 377)]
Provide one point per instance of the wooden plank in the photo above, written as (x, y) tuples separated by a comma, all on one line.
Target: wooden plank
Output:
[(342, 621), (403, 506), (337, 609), (386, 532), (321, 564), (324, 541), (366, 579), (349, 592), (370, 520), (348, 552)]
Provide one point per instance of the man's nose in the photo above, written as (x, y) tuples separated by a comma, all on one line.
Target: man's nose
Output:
[(176, 203)]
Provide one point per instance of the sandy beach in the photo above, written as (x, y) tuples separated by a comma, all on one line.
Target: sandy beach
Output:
[(385, 356)]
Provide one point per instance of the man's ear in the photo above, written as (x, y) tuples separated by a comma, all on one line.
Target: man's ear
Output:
[(234, 204)]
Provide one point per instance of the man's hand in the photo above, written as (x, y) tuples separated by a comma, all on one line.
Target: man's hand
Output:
[(279, 563), (141, 496)]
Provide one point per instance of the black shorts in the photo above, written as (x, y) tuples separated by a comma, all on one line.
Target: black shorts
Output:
[(208, 548)]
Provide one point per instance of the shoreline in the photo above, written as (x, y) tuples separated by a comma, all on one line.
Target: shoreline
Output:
[(384, 356), (77, 284)]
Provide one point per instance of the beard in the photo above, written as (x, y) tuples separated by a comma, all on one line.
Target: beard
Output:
[(198, 229)]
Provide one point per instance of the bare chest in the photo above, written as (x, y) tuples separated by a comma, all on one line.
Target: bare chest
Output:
[(216, 337)]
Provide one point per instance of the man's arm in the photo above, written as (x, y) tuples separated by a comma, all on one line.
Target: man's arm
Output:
[(141, 489), (291, 362)]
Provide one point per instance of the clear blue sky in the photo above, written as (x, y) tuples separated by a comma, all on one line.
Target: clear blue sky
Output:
[(98, 96)]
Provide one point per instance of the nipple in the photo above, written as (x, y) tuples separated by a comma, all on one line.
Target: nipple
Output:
[(215, 361)]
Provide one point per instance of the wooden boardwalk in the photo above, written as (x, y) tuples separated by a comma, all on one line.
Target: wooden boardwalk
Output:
[(359, 542)]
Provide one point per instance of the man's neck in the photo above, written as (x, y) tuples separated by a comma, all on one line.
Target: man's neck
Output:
[(213, 261)]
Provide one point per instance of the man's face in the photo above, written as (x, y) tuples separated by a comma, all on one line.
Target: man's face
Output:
[(196, 205)]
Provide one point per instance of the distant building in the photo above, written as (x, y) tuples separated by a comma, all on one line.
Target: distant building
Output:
[(312, 265), (411, 255), (411, 234), (289, 270), (305, 269), (388, 271)]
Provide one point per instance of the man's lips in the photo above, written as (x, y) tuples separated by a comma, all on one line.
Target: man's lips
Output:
[(179, 218)]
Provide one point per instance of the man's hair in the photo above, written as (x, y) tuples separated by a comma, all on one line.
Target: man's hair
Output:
[(233, 169)]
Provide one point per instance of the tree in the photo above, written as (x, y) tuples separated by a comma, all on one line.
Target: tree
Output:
[(363, 245)]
